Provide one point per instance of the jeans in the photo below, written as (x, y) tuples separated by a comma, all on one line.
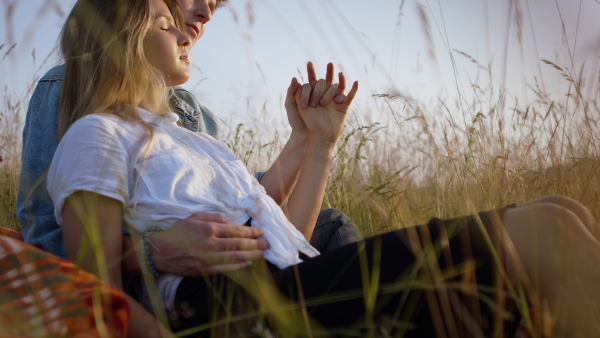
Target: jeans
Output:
[(333, 230)]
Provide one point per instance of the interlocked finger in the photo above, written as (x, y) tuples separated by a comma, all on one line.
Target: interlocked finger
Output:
[(352, 93), (303, 95), (342, 84), (329, 95), (317, 92), (329, 75), (312, 74)]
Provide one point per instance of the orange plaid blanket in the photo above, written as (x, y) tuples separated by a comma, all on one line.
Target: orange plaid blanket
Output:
[(43, 295)]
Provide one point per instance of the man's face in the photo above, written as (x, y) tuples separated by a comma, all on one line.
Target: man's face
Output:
[(196, 14)]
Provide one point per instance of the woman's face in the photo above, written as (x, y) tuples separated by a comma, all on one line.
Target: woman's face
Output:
[(166, 47)]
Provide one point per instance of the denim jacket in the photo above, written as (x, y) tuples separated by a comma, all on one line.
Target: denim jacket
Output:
[(35, 209)]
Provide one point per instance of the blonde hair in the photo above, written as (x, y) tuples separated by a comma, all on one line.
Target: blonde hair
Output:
[(106, 70)]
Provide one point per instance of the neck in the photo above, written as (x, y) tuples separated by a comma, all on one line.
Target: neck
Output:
[(153, 102)]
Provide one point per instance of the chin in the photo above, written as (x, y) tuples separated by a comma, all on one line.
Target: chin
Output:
[(178, 80)]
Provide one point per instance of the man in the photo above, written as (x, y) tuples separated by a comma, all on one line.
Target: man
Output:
[(203, 243)]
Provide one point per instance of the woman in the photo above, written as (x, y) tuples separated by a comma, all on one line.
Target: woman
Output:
[(120, 166)]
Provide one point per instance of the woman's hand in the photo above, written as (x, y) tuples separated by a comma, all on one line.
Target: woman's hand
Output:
[(322, 104)]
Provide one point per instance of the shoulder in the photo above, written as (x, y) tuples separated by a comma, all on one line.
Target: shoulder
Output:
[(100, 121), (102, 126), (183, 99), (193, 115), (54, 74), (183, 93)]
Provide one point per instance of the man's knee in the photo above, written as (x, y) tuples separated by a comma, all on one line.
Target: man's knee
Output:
[(335, 216), (345, 228), (334, 229), (332, 215)]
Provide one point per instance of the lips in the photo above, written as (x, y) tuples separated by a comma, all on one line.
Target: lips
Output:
[(185, 58), (193, 30)]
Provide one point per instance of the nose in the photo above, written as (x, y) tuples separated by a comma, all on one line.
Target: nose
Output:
[(184, 40), (202, 11)]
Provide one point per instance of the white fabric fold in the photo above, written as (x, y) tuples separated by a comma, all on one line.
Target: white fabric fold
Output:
[(284, 239)]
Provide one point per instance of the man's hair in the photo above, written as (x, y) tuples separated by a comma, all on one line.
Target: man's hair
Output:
[(106, 70), (221, 3)]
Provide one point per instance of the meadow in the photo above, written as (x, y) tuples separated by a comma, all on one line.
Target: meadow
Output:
[(478, 156), (418, 160)]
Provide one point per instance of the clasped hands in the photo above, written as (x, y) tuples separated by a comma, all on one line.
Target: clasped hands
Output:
[(206, 244), (318, 109)]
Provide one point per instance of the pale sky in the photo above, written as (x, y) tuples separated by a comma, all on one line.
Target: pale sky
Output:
[(252, 49)]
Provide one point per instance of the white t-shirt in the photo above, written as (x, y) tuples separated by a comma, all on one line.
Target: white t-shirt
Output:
[(182, 173)]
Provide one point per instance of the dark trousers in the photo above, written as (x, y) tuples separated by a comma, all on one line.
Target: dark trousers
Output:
[(444, 278)]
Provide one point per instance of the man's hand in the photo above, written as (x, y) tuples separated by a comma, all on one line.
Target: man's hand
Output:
[(205, 244), (292, 109)]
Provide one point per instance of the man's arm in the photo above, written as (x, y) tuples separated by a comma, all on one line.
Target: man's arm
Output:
[(35, 209), (281, 177), (202, 244)]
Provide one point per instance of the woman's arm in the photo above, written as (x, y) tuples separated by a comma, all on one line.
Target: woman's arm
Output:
[(92, 234), (307, 197), (323, 108), (281, 177)]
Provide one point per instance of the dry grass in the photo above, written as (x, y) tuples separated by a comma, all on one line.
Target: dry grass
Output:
[(448, 161), (12, 112)]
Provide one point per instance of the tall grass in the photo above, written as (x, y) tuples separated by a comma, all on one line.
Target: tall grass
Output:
[(453, 159), (12, 113)]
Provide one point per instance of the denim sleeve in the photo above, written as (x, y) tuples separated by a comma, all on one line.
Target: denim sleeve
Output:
[(35, 209), (193, 115), (259, 175)]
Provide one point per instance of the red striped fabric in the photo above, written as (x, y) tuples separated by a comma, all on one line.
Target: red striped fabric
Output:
[(44, 295)]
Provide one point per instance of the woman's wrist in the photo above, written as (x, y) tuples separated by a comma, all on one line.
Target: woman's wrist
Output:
[(319, 142), (319, 150)]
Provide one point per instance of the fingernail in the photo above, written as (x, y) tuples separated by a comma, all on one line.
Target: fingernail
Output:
[(322, 102), (339, 99), (303, 105), (313, 104)]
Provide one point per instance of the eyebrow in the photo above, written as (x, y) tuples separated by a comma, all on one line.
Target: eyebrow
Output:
[(160, 15)]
